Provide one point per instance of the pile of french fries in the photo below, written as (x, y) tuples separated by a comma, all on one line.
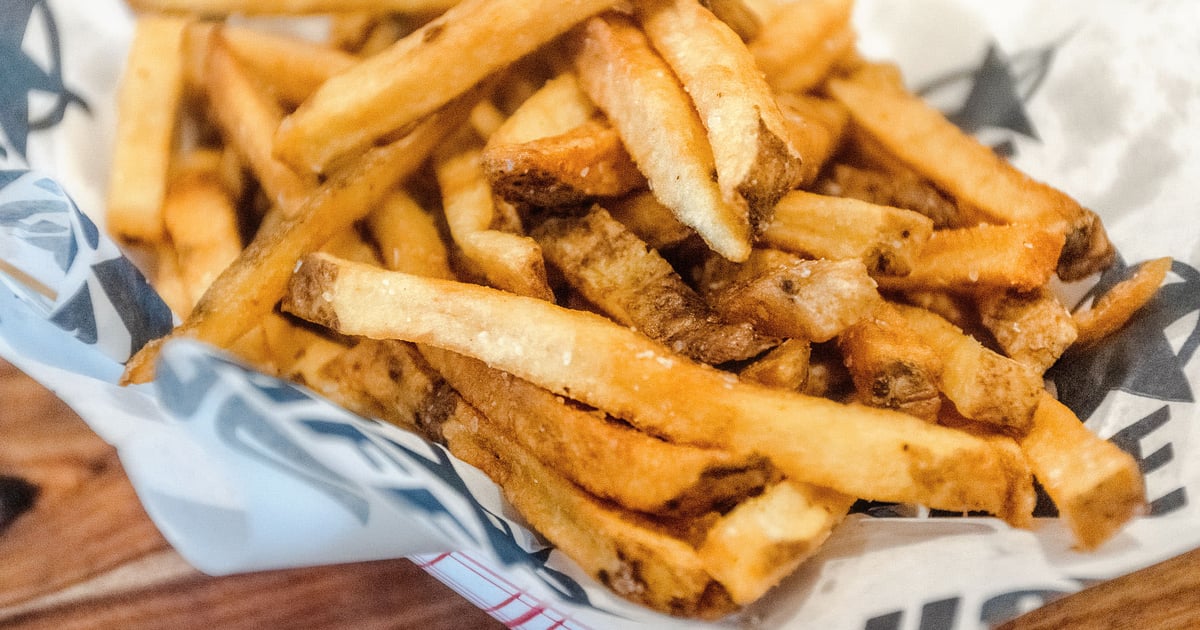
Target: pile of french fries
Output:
[(686, 279)]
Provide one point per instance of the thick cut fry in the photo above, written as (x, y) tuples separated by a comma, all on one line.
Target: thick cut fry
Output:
[(1114, 309), (765, 538), (983, 385), (509, 261), (587, 162), (985, 256), (903, 189), (750, 142), (1031, 327), (638, 558), (290, 7), (860, 451), (610, 460), (148, 101), (795, 298), (294, 68), (800, 41), (408, 238), (815, 127), (649, 219), (655, 118), (1095, 485), (559, 106), (253, 284), (248, 117), (420, 73), (887, 240), (634, 285), (783, 367), (891, 366), (202, 221)]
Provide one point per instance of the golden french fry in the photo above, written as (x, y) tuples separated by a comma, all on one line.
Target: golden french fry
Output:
[(608, 459), (1096, 486), (408, 238), (887, 240), (891, 366), (800, 41), (508, 261), (861, 451), (983, 385), (293, 67), (587, 162), (899, 189), (615, 271), (655, 118), (815, 127), (148, 102), (1015, 256), (783, 367), (1114, 309), (750, 141), (557, 107), (419, 74), (649, 219), (1031, 327), (202, 222), (255, 282), (290, 7)]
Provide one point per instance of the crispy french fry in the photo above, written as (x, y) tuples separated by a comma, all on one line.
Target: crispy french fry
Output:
[(899, 189), (861, 451), (1031, 327), (1014, 256), (608, 459), (293, 67), (290, 7), (255, 282), (800, 42), (1114, 309), (557, 107), (815, 127), (766, 537), (419, 74), (783, 367), (891, 366), (795, 298), (649, 219), (887, 240), (1095, 485), (149, 104), (587, 162), (638, 558), (750, 141), (248, 117), (509, 261), (615, 270), (654, 117), (408, 237), (983, 385), (202, 223)]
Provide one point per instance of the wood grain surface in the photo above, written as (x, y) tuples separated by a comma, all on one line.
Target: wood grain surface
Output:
[(85, 555)]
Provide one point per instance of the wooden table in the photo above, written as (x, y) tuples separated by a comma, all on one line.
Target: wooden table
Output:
[(85, 555)]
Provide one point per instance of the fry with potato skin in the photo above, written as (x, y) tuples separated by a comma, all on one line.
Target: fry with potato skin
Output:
[(661, 130), (856, 450), (891, 366), (1031, 327)]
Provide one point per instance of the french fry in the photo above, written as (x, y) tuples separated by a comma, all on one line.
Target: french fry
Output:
[(508, 261), (201, 220), (289, 7), (800, 41), (1015, 256), (766, 537), (815, 127), (750, 142), (149, 104), (1114, 309), (783, 367), (408, 238), (891, 365), (606, 458), (795, 298), (1095, 485), (587, 162), (887, 240), (1031, 327), (255, 282), (662, 132), (983, 385), (615, 270), (248, 116), (899, 189), (741, 18), (294, 68), (557, 107), (860, 451), (636, 557), (649, 219), (419, 74)]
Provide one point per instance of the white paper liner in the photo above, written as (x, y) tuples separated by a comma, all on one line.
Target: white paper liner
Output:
[(242, 472)]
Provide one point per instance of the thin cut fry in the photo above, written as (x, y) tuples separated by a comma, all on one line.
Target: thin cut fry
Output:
[(861, 451), (655, 118), (420, 73), (148, 102), (1114, 309)]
